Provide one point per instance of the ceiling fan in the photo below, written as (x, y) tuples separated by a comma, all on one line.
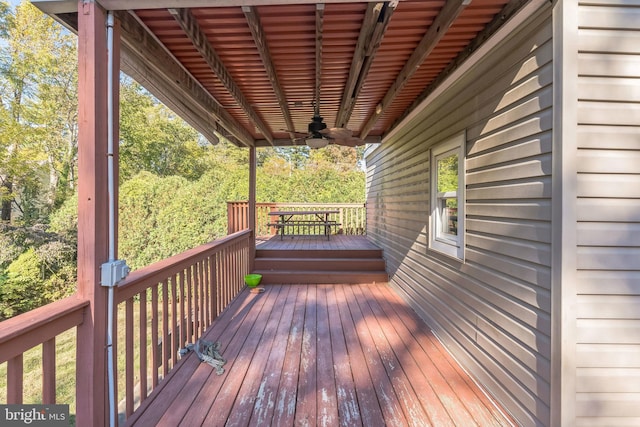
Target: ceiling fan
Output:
[(319, 136)]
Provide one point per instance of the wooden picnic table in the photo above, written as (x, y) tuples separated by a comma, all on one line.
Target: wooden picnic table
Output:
[(286, 219)]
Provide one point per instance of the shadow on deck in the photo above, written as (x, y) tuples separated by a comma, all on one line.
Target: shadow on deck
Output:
[(321, 355)]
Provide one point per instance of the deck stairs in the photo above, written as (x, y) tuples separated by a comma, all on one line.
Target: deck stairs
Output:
[(320, 266)]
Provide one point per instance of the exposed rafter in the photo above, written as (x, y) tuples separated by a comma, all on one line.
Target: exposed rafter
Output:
[(148, 50), (253, 19), (319, 21), (450, 11), (190, 26), (345, 38), (374, 25), (508, 11)]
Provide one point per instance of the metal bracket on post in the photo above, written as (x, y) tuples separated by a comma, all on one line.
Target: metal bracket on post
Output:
[(112, 272)]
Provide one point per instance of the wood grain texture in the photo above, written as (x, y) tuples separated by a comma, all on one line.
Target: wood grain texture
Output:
[(321, 355)]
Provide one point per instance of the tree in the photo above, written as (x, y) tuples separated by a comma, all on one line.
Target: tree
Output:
[(37, 78), (154, 139)]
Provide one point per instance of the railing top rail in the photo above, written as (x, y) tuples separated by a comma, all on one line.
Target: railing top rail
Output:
[(27, 330), (137, 281)]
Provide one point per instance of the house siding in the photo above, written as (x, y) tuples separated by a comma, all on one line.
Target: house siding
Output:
[(493, 309), (608, 215)]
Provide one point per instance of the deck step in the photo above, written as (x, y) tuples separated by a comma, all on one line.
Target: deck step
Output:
[(310, 266), (319, 264), (319, 253), (270, 277)]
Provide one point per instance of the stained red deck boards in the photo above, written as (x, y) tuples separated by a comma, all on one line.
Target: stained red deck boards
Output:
[(321, 355)]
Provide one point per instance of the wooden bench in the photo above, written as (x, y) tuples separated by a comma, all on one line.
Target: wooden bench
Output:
[(305, 224)]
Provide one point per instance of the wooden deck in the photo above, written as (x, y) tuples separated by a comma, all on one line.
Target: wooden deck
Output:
[(321, 355), (337, 242)]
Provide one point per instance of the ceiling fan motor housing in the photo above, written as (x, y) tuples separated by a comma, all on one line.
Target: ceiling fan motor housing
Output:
[(316, 126)]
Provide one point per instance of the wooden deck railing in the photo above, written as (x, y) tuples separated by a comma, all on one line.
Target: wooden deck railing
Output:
[(169, 304), (39, 326), (351, 216), (162, 306)]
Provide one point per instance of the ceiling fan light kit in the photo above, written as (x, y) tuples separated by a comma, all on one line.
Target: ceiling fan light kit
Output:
[(317, 142)]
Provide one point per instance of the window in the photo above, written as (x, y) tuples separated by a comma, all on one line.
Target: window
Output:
[(447, 197)]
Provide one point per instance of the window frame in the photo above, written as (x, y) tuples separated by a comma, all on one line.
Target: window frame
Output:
[(438, 240)]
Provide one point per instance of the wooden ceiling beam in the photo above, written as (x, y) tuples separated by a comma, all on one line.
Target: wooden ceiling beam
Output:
[(147, 50), (374, 25), (190, 26), (260, 39), (166, 4), (450, 11), (289, 143)]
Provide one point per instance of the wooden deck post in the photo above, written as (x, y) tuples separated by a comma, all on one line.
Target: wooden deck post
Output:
[(92, 406), (252, 206)]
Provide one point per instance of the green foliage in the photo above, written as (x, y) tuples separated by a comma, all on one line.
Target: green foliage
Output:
[(36, 267), (22, 288), (64, 221), (448, 174), (330, 175), (154, 139)]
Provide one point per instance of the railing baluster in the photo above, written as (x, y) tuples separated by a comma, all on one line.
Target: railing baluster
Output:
[(172, 345), (143, 346), (49, 371), (129, 356), (189, 287), (155, 360), (198, 301), (195, 312), (214, 284), (183, 315), (14, 379), (207, 290), (166, 328)]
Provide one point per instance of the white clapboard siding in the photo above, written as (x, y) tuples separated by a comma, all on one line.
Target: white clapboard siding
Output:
[(494, 309), (608, 202)]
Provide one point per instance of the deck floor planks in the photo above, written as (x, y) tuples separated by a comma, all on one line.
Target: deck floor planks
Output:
[(464, 406), (391, 350), (327, 412), (416, 362), (348, 409), (389, 403), (306, 404), (230, 335), (323, 355), (268, 391), (285, 406), (370, 410), (221, 405), (248, 398), (179, 377)]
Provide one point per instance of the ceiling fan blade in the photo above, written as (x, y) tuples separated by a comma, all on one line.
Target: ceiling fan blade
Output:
[(337, 133), (348, 142), (295, 131)]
